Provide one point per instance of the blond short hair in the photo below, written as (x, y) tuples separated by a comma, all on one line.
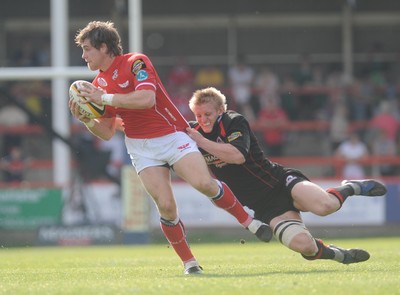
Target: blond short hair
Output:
[(206, 95)]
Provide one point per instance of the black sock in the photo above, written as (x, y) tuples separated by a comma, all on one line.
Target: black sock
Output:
[(324, 252), (341, 193), (346, 190)]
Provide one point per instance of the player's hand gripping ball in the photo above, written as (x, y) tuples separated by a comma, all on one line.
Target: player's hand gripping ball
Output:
[(89, 109)]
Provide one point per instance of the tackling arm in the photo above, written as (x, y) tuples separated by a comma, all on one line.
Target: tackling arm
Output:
[(224, 151)]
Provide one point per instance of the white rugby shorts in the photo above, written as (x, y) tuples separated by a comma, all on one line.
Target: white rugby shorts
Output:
[(167, 149)]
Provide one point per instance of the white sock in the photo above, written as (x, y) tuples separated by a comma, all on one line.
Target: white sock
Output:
[(356, 187), (190, 264), (339, 256), (254, 226)]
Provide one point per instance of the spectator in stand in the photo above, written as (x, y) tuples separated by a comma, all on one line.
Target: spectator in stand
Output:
[(241, 79), (303, 76), (376, 66), (319, 99), (180, 82), (44, 51), (12, 116), (359, 96), (382, 145), (335, 81), (181, 75), (386, 120), (267, 84), (26, 55), (181, 100), (352, 151), (209, 75), (91, 161), (394, 70), (33, 100), (289, 99), (46, 101), (115, 151), (339, 125), (273, 119), (14, 165)]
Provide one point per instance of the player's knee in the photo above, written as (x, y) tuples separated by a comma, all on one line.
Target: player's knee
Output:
[(207, 186), (294, 235), (166, 207)]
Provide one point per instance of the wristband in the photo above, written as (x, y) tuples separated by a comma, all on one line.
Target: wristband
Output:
[(90, 123), (107, 99)]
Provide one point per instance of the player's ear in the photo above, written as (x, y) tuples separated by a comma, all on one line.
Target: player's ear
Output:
[(104, 48)]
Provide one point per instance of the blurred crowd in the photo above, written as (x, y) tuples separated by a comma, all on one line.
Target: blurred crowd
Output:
[(362, 115)]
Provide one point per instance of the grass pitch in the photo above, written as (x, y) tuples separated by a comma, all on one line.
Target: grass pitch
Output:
[(230, 268)]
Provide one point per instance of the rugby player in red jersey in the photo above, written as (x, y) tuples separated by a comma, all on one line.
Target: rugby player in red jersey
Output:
[(275, 193), (155, 133)]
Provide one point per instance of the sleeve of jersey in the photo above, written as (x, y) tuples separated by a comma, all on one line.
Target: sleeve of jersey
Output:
[(110, 112), (145, 77), (238, 135)]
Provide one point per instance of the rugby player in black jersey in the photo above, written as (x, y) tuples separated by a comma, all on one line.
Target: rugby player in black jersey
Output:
[(275, 193)]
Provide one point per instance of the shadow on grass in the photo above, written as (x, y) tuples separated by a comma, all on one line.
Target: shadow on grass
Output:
[(242, 275)]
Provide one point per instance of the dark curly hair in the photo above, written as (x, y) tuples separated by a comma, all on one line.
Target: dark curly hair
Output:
[(98, 32)]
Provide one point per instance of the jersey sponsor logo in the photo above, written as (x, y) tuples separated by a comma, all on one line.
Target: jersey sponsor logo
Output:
[(102, 82), (142, 75), (115, 74), (124, 85), (213, 160), (234, 135), (137, 66), (289, 179)]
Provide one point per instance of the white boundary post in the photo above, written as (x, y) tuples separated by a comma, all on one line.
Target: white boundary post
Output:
[(135, 25), (136, 208), (60, 118)]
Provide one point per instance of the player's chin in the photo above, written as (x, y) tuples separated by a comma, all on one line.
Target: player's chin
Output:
[(92, 67)]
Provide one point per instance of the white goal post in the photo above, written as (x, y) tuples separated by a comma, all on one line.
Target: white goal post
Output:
[(44, 73)]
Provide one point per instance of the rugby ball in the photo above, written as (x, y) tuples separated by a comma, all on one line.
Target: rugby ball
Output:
[(89, 109)]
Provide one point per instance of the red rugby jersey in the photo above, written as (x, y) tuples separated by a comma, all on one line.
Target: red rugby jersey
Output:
[(134, 71)]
